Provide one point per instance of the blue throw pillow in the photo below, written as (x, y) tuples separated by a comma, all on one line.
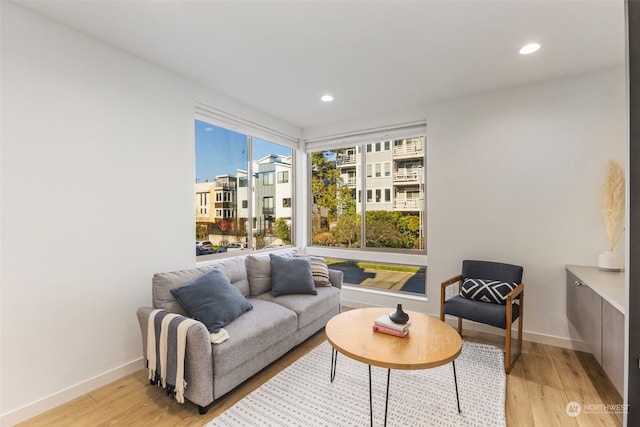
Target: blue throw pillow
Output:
[(212, 299), (493, 291), (291, 276)]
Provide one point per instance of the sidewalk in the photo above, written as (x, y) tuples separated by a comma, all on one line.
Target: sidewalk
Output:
[(382, 279)]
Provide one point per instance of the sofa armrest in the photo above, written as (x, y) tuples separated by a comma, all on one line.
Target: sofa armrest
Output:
[(336, 277), (198, 370)]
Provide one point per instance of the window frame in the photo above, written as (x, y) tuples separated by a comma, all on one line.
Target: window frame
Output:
[(252, 130)]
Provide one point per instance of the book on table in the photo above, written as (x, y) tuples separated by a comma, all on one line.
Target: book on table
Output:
[(388, 323), (389, 331)]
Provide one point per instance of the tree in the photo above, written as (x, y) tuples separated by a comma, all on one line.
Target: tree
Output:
[(382, 229), (347, 228), (390, 229), (283, 231), (327, 187)]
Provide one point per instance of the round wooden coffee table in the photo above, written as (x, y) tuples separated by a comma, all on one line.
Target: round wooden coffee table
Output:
[(429, 343)]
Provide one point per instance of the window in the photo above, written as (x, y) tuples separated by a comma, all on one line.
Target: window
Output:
[(286, 202), (267, 205), (393, 215), (383, 220), (226, 174), (283, 177), (267, 178)]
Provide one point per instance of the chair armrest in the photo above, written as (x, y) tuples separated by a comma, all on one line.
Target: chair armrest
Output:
[(198, 370), (336, 277), (451, 281), (515, 293), (443, 287)]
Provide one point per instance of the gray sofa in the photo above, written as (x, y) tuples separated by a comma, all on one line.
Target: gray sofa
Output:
[(257, 338)]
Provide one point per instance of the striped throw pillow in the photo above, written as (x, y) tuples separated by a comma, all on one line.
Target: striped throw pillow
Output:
[(319, 270)]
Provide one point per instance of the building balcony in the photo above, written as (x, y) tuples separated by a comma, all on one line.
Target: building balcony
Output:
[(408, 204), (346, 160), (268, 211), (407, 176), (408, 151), (350, 182)]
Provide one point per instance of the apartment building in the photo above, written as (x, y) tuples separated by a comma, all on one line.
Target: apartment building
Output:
[(222, 206)]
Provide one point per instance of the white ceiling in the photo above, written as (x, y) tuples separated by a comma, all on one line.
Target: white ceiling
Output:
[(374, 57)]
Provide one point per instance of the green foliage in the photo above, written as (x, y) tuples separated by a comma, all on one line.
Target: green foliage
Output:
[(382, 230), (327, 187), (346, 232), (201, 232), (323, 239), (283, 231)]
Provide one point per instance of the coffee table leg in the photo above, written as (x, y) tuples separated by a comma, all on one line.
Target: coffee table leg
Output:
[(334, 363), (386, 403), (455, 380), (370, 399)]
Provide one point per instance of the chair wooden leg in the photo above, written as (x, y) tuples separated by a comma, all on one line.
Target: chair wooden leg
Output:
[(521, 309), (508, 359), (507, 350), (460, 326)]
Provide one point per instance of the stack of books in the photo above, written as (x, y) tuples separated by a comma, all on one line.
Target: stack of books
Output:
[(386, 326)]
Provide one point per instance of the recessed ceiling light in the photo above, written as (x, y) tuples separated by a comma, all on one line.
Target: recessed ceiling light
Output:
[(326, 98), (529, 48)]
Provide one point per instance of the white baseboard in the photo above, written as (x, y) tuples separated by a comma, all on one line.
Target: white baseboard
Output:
[(63, 396), (526, 336)]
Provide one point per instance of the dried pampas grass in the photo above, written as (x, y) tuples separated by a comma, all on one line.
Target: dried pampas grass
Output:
[(613, 203)]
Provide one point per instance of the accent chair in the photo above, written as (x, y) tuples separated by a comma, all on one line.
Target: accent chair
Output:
[(491, 293)]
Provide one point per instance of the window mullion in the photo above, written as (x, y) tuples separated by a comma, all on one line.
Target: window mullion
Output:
[(250, 192), (363, 206)]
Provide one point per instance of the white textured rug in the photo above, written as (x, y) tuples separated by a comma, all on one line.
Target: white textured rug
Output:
[(302, 395)]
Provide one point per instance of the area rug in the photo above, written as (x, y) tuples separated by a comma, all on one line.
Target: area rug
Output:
[(302, 395)]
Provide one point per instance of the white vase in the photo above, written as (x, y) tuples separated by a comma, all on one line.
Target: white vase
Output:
[(609, 261)]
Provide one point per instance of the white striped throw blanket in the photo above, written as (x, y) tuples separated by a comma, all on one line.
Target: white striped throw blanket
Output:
[(166, 345)]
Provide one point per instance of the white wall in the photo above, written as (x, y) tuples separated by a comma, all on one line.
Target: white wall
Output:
[(97, 174), (516, 176)]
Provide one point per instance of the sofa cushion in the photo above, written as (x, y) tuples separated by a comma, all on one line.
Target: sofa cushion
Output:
[(236, 272), (212, 299), (259, 271), (291, 276), (308, 307), (253, 333), (162, 284)]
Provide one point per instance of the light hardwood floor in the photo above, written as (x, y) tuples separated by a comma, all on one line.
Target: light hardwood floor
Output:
[(540, 385)]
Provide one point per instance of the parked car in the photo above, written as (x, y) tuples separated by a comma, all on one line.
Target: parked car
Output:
[(204, 247), (235, 246)]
